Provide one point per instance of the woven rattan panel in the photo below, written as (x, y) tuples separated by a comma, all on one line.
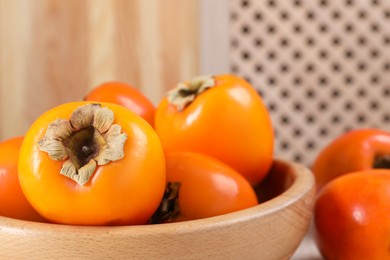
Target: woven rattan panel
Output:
[(322, 66)]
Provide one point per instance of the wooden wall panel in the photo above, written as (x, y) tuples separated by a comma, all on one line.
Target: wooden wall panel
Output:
[(102, 41), (14, 39), (56, 57), (180, 40), (54, 51)]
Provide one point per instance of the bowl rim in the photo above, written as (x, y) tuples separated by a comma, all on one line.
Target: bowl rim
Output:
[(303, 184)]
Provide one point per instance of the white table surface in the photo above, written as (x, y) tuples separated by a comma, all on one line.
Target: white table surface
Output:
[(307, 249)]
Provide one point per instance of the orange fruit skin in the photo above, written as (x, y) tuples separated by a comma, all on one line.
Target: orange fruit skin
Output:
[(228, 122), (123, 192), (123, 94), (353, 151), (351, 216), (13, 203)]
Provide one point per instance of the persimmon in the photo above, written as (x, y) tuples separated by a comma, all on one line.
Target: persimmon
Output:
[(360, 149), (221, 116), (13, 203), (351, 216), (200, 186), (126, 95), (87, 163)]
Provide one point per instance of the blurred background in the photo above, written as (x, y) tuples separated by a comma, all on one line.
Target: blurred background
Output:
[(54, 51), (321, 66)]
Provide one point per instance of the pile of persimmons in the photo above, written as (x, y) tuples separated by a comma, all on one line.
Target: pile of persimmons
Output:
[(116, 159)]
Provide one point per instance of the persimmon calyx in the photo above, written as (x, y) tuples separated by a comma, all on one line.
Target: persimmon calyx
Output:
[(381, 161), (88, 139), (169, 206), (186, 92)]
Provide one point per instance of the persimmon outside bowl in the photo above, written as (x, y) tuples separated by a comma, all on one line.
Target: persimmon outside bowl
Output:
[(271, 230)]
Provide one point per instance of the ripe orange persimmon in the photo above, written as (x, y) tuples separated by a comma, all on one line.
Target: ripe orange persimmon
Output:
[(200, 186), (125, 95), (90, 163), (222, 116), (13, 203), (351, 216), (357, 150)]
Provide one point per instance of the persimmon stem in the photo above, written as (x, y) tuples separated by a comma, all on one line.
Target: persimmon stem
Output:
[(86, 150), (83, 145)]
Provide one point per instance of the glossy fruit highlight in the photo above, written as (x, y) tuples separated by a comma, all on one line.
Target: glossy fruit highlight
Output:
[(357, 150), (123, 94), (221, 116), (351, 216), (199, 186), (87, 163)]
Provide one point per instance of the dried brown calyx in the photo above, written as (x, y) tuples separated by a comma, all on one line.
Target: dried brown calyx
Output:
[(169, 206), (381, 161), (186, 92), (89, 138)]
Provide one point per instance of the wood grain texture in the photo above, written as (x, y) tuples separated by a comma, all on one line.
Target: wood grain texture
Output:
[(15, 36), (54, 51), (271, 230), (56, 60)]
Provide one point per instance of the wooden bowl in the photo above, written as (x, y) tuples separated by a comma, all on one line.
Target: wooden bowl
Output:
[(271, 230)]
